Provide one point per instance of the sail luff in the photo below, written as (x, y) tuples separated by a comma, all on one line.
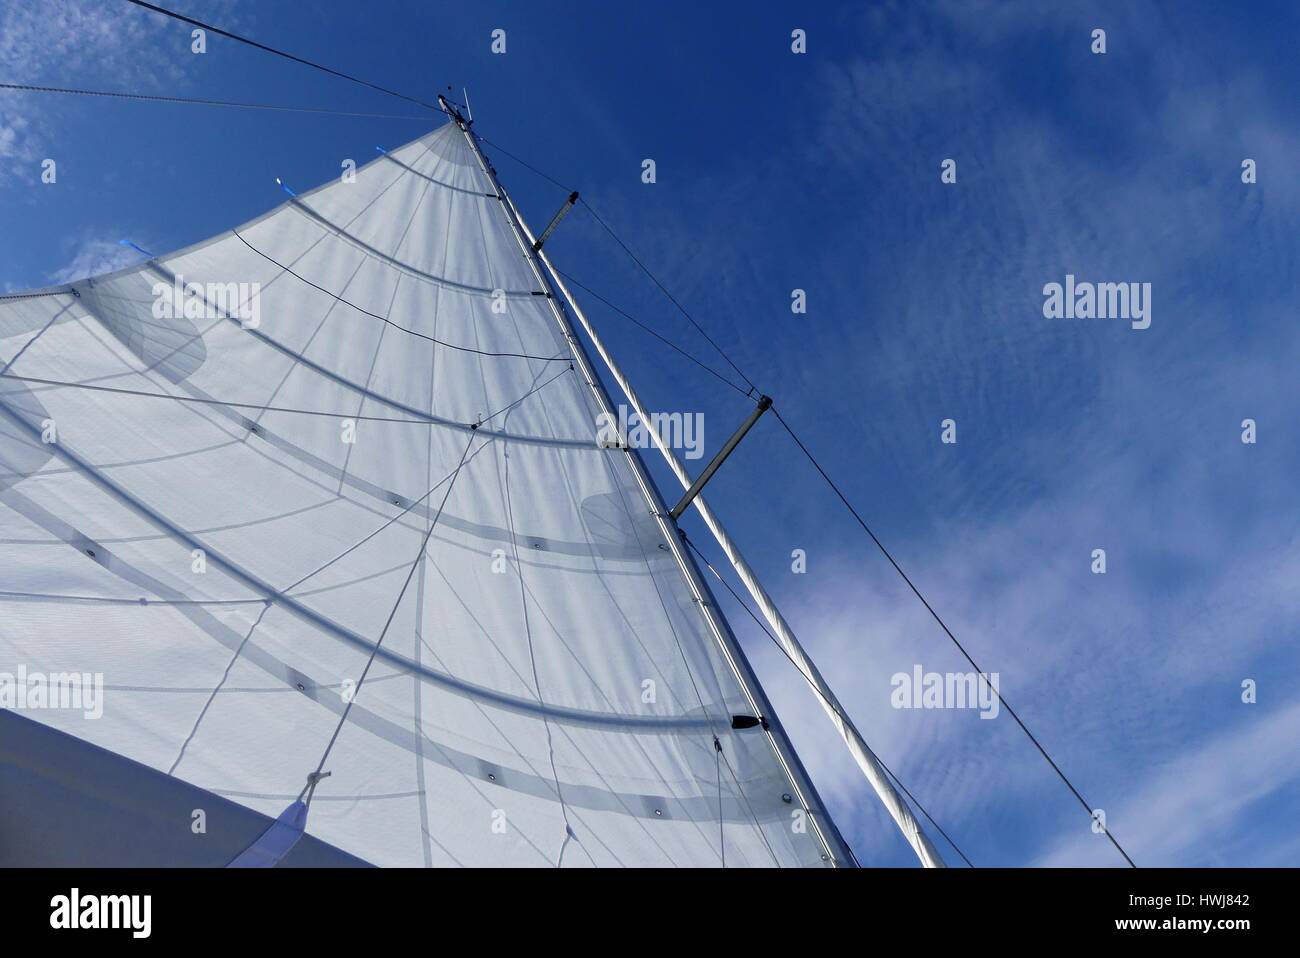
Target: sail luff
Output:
[(853, 739), (837, 851)]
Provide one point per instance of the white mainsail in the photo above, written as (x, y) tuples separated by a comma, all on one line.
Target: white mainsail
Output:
[(378, 443)]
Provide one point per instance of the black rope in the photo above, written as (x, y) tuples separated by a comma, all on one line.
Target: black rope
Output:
[(829, 704), (280, 53), (522, 162), (384, 319), (935, 615), (27, 88)]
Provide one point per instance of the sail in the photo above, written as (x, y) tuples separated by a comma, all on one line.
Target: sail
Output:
[(328, 487)]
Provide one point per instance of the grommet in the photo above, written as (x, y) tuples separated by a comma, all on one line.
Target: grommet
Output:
[(787, 798)]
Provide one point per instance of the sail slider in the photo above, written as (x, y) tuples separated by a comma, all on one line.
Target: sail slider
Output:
[(555, 220), (764, 403)]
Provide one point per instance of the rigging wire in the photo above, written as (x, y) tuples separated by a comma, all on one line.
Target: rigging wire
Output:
[(829, 704), (653, 332), (672, 299), (280, 53), (524, 163), (935, 615), (28, 88)]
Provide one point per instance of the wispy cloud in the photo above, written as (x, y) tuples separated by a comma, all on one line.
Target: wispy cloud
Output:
[(93, 255), (62, 41), (1116, 677), (15, 147), (84, 44), (1209, 806)]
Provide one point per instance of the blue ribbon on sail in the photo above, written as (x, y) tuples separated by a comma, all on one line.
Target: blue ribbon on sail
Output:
[(138, 249)]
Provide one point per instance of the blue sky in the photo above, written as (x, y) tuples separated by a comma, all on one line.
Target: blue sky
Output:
[(821, 171)]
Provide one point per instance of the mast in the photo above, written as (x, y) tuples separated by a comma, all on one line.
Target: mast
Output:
[(857, 745), (835, 849)]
